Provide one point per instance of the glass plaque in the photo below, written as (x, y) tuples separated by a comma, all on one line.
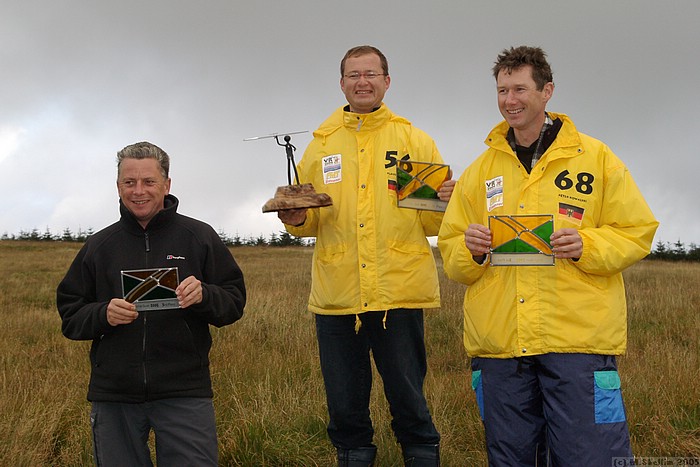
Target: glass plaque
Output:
[(151, 289), (417, 184), (521, 240)]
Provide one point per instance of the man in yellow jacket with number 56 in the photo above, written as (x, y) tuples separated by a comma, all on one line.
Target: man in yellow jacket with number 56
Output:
[(373, 268), (543, 339)]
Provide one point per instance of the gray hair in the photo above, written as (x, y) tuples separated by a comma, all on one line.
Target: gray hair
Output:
[(145, 150)]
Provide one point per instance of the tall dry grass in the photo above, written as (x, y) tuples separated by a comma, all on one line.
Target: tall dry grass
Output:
[(268, 389), (661, 370)]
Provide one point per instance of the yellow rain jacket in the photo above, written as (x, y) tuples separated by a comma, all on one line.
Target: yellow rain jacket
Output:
[(370, 255), (573, 306)]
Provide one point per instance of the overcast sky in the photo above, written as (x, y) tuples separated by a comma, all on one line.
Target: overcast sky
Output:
[(82, 79)]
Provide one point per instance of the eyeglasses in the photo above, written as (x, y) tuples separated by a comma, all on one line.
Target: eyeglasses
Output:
[(369, 75)]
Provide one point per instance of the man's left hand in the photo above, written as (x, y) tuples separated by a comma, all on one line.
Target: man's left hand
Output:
[(567, 243), (189, 292), (446, 189)]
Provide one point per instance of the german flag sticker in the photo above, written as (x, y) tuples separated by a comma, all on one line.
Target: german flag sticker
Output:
[(571, 213)]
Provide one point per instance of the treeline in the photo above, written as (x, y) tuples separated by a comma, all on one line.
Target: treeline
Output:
[(36, 236), (675, 251), (666, 251), (282, 238)]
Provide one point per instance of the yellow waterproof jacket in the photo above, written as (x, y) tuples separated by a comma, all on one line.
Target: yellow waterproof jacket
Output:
[(574, 306), (370, 255)]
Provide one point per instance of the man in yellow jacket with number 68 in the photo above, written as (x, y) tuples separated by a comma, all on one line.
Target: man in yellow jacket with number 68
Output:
[(543, 339)]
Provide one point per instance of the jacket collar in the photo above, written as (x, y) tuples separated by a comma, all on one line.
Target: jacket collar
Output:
[(160, 220), (357, 123), (366, 122), (568, 135)]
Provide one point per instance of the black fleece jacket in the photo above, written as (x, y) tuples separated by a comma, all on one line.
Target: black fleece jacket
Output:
[(163, 353)]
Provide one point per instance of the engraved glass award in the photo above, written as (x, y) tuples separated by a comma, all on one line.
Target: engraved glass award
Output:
[(521, 240), (151, 289), (417, 184)]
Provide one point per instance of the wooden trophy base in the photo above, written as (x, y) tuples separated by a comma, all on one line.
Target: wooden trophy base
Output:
[(297, 197)]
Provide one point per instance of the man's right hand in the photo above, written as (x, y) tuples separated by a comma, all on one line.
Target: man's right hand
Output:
[(477, 238), (294, 217), (119, 311)]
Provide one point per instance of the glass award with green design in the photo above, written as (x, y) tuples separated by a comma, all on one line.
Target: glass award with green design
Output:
[(417, 184), (521, 240)]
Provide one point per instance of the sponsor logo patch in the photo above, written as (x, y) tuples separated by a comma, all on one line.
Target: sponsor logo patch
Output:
[(494, 193), (332, 169)]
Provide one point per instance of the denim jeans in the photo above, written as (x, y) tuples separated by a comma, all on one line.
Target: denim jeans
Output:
[(398, 349)]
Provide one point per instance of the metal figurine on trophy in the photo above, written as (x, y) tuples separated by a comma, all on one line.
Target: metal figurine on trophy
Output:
[(294, 195)]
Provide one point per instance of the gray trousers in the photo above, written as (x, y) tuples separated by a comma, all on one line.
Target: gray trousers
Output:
[(184, 428)]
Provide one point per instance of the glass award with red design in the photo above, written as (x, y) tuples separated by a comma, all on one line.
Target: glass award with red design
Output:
[(151, 289)]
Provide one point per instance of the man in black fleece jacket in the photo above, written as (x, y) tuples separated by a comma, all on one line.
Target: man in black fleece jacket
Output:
[(150, 368)]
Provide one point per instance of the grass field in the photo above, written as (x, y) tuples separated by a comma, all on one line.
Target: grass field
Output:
[(268, 389)]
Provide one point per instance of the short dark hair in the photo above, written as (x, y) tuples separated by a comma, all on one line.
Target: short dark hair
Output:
[(364, 50), (518, 57), (145, 150)]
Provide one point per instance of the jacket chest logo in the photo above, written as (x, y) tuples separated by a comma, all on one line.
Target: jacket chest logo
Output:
[(494, 193), (332, 169)]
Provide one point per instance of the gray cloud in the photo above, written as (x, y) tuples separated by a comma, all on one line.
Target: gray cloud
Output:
[(83, 79)]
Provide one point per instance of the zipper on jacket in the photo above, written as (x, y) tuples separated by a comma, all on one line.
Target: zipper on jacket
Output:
[(145, 328), (143, 356)]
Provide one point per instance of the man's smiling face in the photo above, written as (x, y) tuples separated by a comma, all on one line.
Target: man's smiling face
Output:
[(364, 95), (142, 188), (520, 102)]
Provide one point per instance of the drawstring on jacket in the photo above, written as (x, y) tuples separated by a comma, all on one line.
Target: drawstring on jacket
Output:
[(358, 321)]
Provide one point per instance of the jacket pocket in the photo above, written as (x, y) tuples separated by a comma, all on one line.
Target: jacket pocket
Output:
[(410, 267), (598, 282), (608, 397), (491, 279), (409, 248), (331, 253)]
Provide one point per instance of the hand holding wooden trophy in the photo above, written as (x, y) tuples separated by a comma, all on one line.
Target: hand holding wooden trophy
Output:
[(294, 195)]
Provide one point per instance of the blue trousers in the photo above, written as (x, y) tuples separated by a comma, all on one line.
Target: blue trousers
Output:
[(185, 433), (552, 409), (398, 349)]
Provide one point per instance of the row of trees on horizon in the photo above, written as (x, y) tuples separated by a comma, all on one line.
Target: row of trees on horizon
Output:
[(282, 238), (668, 251)]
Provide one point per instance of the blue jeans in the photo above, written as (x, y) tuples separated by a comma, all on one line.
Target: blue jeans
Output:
[(399, 354)]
